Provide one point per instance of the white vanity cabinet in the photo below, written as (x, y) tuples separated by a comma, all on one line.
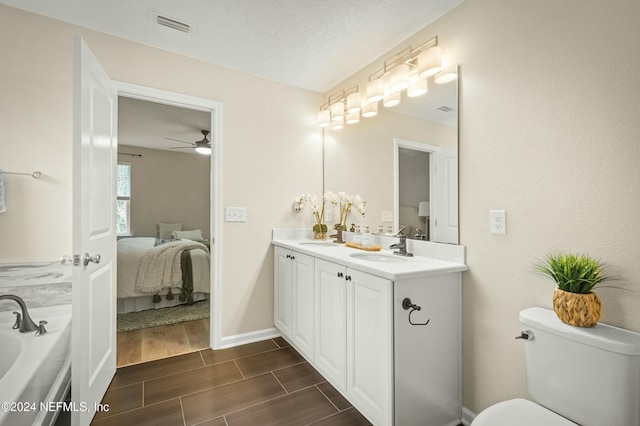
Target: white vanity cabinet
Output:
[(331, 322), (354, 336), (294, 298), (397, 364), (370, 345)]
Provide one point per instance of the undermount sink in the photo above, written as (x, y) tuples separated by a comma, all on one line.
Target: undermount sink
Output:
[(320, 243), (378, 257)]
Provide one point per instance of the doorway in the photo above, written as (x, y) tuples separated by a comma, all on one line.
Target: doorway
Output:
[(212, 232)]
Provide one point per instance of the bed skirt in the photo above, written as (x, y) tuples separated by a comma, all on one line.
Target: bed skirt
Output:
[(135, 304)]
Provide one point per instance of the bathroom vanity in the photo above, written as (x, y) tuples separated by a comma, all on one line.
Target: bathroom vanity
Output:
[(342, 309)]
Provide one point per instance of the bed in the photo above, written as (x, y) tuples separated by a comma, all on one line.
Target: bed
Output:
[(140, 261)]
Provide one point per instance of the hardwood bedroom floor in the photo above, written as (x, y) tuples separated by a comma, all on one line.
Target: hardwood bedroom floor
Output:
[(154, 343), (263, 383)]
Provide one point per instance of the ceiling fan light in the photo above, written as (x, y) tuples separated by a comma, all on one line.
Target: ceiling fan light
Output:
[(417, 87), (354, 101), (429, 61), (375, 90), (204, 150), (399, 78), (370, 109)]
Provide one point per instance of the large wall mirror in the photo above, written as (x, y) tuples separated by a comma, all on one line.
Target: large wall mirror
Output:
[(404, 162)]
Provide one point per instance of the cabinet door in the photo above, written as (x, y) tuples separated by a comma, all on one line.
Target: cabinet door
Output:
[(369, 345), (303, 304), (283, 291), (331, 323)]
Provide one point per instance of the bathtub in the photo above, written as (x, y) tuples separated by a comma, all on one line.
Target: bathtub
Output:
[(35, 371)]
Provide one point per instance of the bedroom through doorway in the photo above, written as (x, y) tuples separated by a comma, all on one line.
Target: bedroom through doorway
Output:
[(164, 237)]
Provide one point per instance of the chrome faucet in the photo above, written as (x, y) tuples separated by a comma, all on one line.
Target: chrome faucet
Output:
[(26, 323), (401, 245)]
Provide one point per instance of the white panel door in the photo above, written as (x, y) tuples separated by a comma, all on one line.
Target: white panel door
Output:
[(446, 225), (331, 322), (283, 292), (303, 304), (370, 345), (93, 338)]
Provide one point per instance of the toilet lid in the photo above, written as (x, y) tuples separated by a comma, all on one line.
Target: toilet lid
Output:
[(519, 412)]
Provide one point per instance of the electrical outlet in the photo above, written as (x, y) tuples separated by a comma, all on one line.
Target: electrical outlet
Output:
[(328, 215), (235, 214), (497, 222)]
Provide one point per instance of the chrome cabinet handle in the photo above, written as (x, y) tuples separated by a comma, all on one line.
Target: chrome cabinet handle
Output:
[(87, 258)]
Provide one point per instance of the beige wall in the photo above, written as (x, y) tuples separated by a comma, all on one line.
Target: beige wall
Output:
[(270, 155), (168, 187), (548, 131)]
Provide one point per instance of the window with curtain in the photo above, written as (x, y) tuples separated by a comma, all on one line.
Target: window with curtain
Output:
[(123, 203)]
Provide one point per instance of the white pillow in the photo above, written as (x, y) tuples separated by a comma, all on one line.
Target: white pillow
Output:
[(195, 235), (165, 230)]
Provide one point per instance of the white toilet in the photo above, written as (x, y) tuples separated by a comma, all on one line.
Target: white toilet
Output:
[(585, 376)]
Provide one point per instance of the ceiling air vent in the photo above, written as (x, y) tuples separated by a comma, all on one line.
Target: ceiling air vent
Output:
[(172, 23), (445, 108)]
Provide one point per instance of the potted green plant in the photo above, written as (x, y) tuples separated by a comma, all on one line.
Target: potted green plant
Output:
[(574, 300)]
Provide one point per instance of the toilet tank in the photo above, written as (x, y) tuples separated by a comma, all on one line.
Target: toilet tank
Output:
[(588, 375)]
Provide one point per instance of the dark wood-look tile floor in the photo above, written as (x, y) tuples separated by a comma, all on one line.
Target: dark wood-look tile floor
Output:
[(262, 383)]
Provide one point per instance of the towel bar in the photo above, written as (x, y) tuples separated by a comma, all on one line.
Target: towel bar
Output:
[(35, 175)]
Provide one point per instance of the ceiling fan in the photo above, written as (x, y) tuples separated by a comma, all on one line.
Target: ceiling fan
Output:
[(201, 147)]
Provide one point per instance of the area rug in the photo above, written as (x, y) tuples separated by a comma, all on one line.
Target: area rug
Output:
[(164, 316)]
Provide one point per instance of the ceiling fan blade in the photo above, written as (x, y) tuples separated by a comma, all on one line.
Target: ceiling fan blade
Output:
[(181, 147), (177, 140)]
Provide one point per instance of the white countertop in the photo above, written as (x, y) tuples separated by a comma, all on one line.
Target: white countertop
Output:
[(410, 267)]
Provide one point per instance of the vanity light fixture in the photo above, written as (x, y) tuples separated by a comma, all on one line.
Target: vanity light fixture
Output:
[(417, 86), (391, 99), (353, 117), (324, 118), (448, 74), (407, 70), (354, 103), (370, 109)]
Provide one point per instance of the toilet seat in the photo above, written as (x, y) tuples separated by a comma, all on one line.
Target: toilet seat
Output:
[(519, 412)]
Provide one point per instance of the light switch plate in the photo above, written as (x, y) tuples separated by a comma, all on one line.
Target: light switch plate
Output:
[(387, 216), (235, 214)]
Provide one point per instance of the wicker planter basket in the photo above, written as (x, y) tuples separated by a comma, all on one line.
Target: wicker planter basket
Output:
[(581, 310)]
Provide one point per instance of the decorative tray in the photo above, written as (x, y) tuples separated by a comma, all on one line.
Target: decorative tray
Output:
[(360, 247)]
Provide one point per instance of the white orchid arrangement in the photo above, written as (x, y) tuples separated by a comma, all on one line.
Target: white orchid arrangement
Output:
[(346, 203), (342, 200), (317, 209)]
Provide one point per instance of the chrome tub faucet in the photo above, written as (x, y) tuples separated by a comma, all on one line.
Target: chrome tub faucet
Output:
[(25, 323)]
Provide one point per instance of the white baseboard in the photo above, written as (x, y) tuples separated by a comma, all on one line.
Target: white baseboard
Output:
[(467, 416), (253, 336)]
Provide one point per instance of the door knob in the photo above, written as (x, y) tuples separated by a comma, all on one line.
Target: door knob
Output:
[(87, 258)]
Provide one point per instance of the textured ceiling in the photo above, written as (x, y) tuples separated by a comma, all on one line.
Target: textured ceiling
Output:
[(309, 44)]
